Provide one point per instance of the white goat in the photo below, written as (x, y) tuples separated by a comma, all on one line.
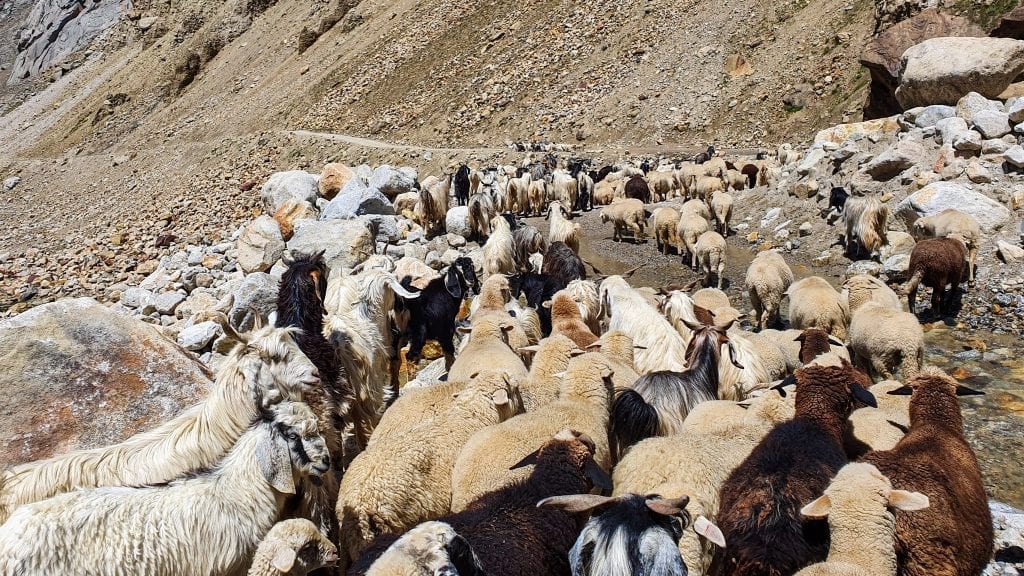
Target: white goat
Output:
[(659, 346), (560, 229)]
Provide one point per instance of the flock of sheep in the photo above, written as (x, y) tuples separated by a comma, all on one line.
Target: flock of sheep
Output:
[(575, 426)]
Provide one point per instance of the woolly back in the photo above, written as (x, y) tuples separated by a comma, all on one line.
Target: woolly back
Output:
[(934, 401), (587, 378), (563, 307), (825, 394), (494, 292), (492, 396), (618, 346)]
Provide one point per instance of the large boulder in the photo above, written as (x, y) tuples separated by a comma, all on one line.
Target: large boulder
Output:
[(869, 128), (897, 158), (938, 196), (255, 294), (55, 29), (943, 70), (75, 374), (357, 199), (456, 221), (333, 178), (345, 242), (882, 56), (391, 181), (1011, 25), (282, 186), (259, 245)]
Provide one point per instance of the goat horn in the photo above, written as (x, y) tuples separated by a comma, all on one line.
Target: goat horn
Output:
[(401, 291), (225, 324), (630, 272)]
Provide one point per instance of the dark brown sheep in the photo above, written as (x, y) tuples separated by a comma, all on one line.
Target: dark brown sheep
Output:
[(760, 505), (566, 320), (636, 187), (953, 536), (814, 342), (937, 262)]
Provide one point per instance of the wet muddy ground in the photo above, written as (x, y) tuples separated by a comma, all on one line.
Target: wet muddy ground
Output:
[(993, 363)]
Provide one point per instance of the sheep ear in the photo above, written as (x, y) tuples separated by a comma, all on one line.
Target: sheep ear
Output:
[(464, 329), (507, 326), (275, 462), (965, 391), (531, 348), (818, 508), (461, 555), (835, 341), (799, 338), (899, 426), (283, 560), (500, 398), (908, 501), (668, 507), (576, 503), (577, 352), (528, 460), (598, 477), (901, 391), (546, 304), (863, 395), (712, 533), (693, 326)]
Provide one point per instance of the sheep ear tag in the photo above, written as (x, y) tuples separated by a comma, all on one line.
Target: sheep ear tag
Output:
[(712, 533), (283, 560), (275, 462), (863, 395)]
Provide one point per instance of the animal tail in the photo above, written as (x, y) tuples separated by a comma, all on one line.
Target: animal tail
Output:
[(632, 420)]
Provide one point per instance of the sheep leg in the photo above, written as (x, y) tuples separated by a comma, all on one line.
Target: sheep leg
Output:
[(970, 265), (721, 273), (880, 366)]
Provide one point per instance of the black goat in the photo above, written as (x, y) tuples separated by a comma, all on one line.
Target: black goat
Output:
[(461, 183), (837, 199), (562, 264), (602, 173), (636, 187), (432, 315), (538, 288), (704, 156)]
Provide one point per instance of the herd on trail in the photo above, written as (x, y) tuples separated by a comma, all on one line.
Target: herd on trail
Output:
[(596, 429)]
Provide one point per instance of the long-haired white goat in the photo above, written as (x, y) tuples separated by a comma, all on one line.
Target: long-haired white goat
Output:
[(659, 346)]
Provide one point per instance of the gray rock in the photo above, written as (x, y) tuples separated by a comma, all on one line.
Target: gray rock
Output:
[(457, 221), (433, 260), (1014, 156), (259, 245), (806, 228), (973, 103), (995, 146), (949, 127), (1015, 110), (978, 174), (255, 294), (942, 70), (1010, 253), (167, 302), (449, 256), (281, 186), (967, 141), (55, 29), (147, 22), (77, 374), (10, 183), (391, 182), (364, 172), (345, 242), (929, 115), (938, 196), (992, 123), (810, 161), (386, 227), (895, 159), (136, 297), (896, 266), (867, 267), (455, 240), (896, 243), (770, 216), (198, 336), (356, 199)]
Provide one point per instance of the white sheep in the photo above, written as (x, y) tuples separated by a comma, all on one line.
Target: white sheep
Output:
[(787, 155), (488, 347), (665, 221), (547, 370), (721, 206), (716, 436), (206, 524), (705, 186), (711, 299), (293, 548), (625, 213), (710, 253), (499, 251), (662, 185), (735, 179), (686, 176), (605, 192), (861, 289), (880, 428), (582, 405), (768, 278), (952, 222), (406, 479), (696, 206), (814, 303), (430, 549), (264, 366), (659, 346), (884, 340), (858, 504), (561, 229), (688, 230)]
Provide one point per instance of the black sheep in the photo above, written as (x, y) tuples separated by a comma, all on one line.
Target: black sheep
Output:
[(636, 187), (432, 315), (704, 156), (462, 185), (759, 510), (562, 264), (602, 173)]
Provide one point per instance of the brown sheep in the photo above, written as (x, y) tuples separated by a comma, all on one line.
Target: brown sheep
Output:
[(814, 342), (636, 187), (566, 320), (759, 511), (953, 536), (937, 262)]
